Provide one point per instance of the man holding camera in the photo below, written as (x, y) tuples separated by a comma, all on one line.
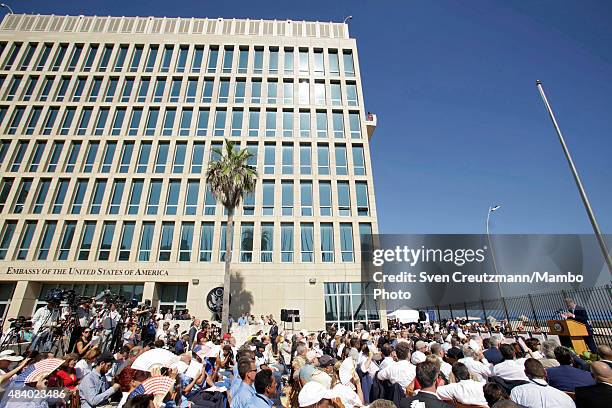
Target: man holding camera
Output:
[(110, 319), (43, 320)]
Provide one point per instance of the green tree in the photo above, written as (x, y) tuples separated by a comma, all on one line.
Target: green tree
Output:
[(230, 178)]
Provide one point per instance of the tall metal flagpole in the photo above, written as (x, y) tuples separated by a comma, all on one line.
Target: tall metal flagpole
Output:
[(585, 199)]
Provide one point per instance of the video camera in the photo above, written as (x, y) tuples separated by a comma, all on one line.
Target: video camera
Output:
[(65, 298), (107, 297), (20, 323), (61, 297)]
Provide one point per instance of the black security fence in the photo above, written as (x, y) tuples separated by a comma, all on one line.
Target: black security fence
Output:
[(530, 313)]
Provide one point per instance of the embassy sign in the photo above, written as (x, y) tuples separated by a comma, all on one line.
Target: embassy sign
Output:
[(74, 271)]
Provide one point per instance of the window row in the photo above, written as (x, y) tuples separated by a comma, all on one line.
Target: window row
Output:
[(175, 58), (170, 121), (177, 157), (348, 304), (179, 89), (179, 197), (170, 241)]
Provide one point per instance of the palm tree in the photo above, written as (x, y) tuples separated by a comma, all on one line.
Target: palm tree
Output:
[(230, 178)]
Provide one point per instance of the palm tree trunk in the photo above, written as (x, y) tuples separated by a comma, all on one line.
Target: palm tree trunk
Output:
[(229, 233)]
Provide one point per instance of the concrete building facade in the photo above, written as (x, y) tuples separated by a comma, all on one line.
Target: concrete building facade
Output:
[(107, 125)]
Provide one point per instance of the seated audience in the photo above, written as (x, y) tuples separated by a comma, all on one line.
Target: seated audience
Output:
[(537, 393), (464, 390), (600, 394), (566, 377)]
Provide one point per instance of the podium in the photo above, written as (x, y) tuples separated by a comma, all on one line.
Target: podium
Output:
[(571, 333)]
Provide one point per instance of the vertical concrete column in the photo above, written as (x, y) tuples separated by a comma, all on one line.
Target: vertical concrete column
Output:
[(23, 300), (150, 292), (196, 300)]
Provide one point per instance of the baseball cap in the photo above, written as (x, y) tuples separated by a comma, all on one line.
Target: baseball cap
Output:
[(326, 361), (313, 392), (420, 344)]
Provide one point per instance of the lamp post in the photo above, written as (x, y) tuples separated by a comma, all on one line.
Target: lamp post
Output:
[(346, 19), (6, 6), (492, 209)]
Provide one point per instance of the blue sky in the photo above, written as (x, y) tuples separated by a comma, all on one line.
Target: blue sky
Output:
[(461, 124)]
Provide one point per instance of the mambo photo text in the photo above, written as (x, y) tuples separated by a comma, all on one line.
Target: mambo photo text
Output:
[(459, 258)]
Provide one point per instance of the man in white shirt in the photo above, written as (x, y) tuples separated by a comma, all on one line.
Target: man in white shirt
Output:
[(388, 356), (476, 362), (419, 354), (445, 368), (537, 393), (44, 318), (110, 320), (465, 391), (511, 369), (401, 372), (162, 334), (47, 315)]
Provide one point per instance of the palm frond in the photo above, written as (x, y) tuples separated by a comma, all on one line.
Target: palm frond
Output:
[(230, 176)]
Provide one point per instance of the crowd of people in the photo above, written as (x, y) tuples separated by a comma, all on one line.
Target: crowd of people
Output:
[(158, 364)]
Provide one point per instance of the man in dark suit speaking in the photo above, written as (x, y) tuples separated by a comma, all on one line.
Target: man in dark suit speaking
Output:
[(579, 314), (600, 394)]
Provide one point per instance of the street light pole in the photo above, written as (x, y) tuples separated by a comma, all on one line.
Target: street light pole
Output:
[(499, 288), (346, 19), (6, 6), (493, 209), (583, 195)]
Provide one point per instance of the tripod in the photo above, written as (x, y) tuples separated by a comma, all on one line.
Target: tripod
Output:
[(42, 334), (113, 343), (58, 342), (12, 337)]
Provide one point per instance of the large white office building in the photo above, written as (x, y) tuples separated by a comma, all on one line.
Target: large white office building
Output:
[(107, 126)]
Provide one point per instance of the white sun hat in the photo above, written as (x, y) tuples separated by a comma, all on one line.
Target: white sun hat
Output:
[(313, 392)]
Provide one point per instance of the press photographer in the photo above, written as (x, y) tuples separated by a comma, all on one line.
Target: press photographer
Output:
[(45, 319)]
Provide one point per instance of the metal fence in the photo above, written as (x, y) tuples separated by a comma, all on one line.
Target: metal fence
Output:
[(531, 312)]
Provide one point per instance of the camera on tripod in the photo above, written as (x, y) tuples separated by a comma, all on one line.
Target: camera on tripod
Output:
[(66, 298), (61, 297), (107, 297), (20, 323)]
